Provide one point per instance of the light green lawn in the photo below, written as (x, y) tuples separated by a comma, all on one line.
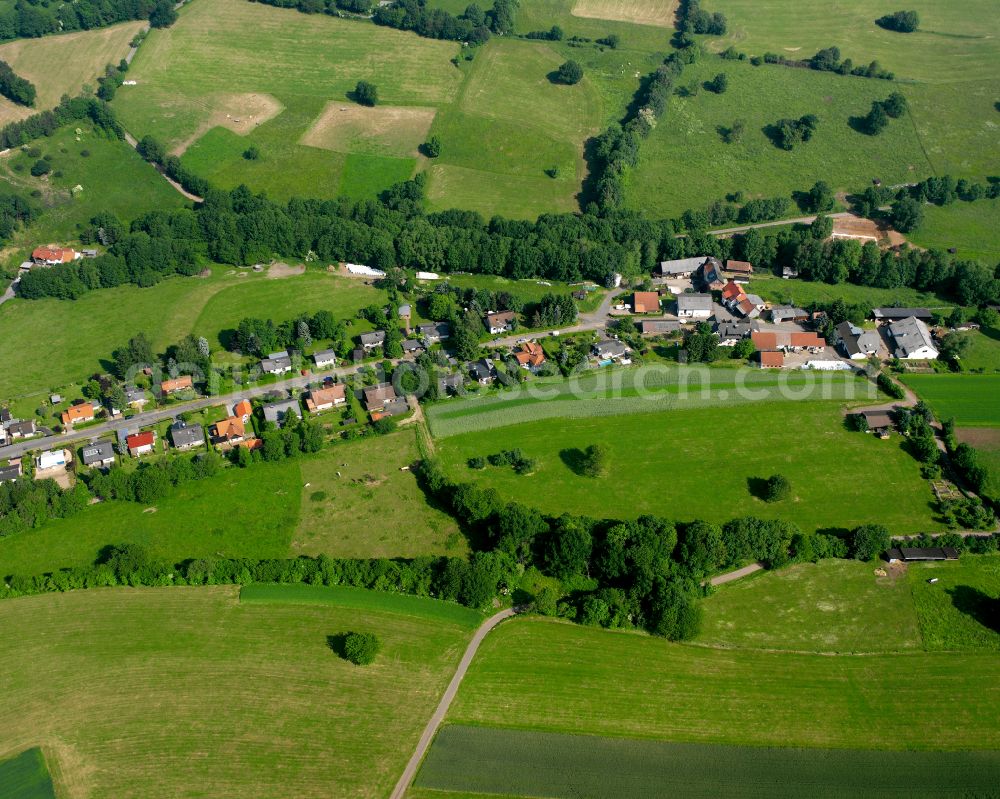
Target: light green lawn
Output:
[(830, 606), (972, 228), (805, 292), (554, 676), (171, 691), (696, 463), (959, 610)]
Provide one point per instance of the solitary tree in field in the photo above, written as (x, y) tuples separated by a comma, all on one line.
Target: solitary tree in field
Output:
[(361, 648), (778, 488), (877, 119), (432, 147), (900, 21), (569, 73), (718, 84), (895, 105), (366, 93), (595, 461)]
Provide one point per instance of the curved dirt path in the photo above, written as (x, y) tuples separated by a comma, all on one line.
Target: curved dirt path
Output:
[(736, 574), (403, 785)]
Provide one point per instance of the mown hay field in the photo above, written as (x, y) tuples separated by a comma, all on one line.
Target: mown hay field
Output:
[(958, 612), (153, 691), (59, 65), (641, 12), (528, 763), (557, 677), (703, 463)]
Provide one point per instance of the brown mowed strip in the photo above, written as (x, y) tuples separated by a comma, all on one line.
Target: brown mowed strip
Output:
[(979, 436), (641, 12)]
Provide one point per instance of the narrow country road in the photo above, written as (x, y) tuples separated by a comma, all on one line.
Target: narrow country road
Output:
[(736, 574), (593, 320), (799, 220), (435, 721)]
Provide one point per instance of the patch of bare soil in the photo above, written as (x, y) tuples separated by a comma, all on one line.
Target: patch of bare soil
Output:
[(979, 436), (240, 113), (278, 270), (348, 127)]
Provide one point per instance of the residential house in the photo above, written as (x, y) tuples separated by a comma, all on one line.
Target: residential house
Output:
[(52, 256), (500, 321), (9, 474), (395, 408), (740, 271), (858, 344), (228, 431), (98, 454), (610, 350), (711, 275), (186, 436), (21, 429), (434, 332), (51, 459), (770, 359), (243, 410), (482, 371), (899, 314), (450, 384), (659, 326), (279, 410), (322, 399), (373, 340), (76, 414), (530, 355), (378, 396), (787, 313), (405, 312), (135, 397), (680, 267), (806, 341), (276, 363), (694, 306), (325, 359), (731, 333), (913, 340), (749, 306), (645, 302), (176, 384), (140, 443), (879, 422), (412, 346), (731, 294)]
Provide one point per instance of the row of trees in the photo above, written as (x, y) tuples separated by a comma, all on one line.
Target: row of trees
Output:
[(46, 123), (30, 19), (14, 87), (474, 25), (262, 336), (828, 60), (692, 18)]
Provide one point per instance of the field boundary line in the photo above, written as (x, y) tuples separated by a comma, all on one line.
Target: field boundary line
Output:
[(403, 785)]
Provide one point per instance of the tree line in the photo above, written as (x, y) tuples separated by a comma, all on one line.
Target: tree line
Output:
[(45, 123), (30, 19), (15, 88)]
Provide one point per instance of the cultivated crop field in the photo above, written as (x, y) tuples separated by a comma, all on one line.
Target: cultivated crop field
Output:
[(829, 606), (166, 312), (558, 677), (153, 691), (59, 65), (527, 763), (25, 776), (971, 400), (701, 464)]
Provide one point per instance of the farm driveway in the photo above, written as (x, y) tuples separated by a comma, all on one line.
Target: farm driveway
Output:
[(432, 726)]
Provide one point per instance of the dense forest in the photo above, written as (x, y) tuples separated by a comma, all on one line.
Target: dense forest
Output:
[(29, 19)]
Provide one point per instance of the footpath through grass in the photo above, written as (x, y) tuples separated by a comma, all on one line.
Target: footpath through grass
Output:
[(702, 463), (25, 776), (149, 692), (557, 677), (525, 763)]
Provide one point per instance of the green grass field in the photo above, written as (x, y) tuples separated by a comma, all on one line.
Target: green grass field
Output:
[(983, 354), (697, 463), (25, 776), (653, 388), (114, 178), (272, 510), (971, 400), (830, 606), (527, 763), (686, 148), (166, 313), (971, 228), (557, 677), (959, 611), (186, 691), (357, 503), (805, 292)]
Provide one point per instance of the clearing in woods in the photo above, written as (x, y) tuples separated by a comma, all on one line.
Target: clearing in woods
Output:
[(383, 130), (59, 65), (122, 678), (641, 12)]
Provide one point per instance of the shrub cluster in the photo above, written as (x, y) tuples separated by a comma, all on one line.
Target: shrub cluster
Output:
[(14, 87), (900, 21)]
